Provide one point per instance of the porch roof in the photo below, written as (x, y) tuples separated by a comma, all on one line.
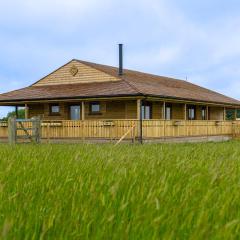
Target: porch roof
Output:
[(131, 83), (69, 91)]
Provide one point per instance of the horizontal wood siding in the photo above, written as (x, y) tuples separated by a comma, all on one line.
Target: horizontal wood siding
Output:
[(131, 110), (89, 115), (36, 110), (216, 113), (157, 110), (85, 74), (177, 111), (199, 112), (120, 110), (43, 111), (108, 110), (113, 110)]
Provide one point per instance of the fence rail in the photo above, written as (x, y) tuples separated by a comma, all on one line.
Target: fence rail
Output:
[(109, 129), (115, 129)]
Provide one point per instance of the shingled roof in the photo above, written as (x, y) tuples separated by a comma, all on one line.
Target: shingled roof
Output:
[(131, 83)]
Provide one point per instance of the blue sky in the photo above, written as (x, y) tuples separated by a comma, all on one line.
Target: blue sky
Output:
[(176, 38)]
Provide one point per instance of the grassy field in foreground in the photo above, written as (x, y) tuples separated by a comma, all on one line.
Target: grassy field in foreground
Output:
[(162, 191)]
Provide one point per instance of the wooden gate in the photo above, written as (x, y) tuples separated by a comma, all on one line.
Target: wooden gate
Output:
[(24, 130)]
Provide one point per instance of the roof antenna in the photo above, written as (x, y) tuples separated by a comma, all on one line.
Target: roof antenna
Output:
[(120, 69)]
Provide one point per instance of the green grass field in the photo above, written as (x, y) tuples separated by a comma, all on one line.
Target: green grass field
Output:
[(162, 191)]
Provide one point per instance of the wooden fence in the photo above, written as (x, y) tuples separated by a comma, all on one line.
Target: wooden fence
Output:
[(24, 130), (115, 129)]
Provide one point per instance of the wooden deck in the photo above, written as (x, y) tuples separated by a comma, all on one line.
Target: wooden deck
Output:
[(115, 129)]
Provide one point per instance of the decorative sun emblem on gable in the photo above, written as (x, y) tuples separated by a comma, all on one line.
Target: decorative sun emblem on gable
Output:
[(74, 71)]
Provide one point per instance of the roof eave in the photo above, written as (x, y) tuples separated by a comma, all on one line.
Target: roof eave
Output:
[(137, 95), (192, 100), (71, 98)]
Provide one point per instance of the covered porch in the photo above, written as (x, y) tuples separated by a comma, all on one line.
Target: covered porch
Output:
[(134, 109), (140, 119)]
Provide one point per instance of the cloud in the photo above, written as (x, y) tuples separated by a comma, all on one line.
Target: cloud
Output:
[(165, 37), (55, 9)]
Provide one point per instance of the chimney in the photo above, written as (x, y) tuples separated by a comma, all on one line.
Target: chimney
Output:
[(120, 69)]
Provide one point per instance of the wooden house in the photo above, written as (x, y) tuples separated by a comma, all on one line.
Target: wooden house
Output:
[(82, 90)]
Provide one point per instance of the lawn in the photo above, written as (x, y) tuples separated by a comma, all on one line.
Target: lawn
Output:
[(159, 191)]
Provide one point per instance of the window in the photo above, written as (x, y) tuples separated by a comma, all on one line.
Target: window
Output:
[(94, 107), (75, 112), (168, 112), (146, 110), (204, 113), (230, 114), (238, 113), (191, 112), (54, 109)]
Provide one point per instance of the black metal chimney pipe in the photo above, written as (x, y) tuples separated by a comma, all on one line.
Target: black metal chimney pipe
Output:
[(120, 69)]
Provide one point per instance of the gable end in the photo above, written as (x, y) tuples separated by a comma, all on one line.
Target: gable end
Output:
[(75, 72)]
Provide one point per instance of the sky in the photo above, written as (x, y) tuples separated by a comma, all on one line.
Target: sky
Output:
[(197, 39)]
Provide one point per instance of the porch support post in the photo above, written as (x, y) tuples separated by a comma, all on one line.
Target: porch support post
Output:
[(16, 111), (138, 109), (139, 118), (185, 111), (164, 111), (207, 112), (224, 114), (235, 114), (83, 118), (83, 110), (26, 111)]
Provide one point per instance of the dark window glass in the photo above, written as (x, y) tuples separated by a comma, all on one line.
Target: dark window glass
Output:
[(238, 113), (146, 111), (204, 113), (75, 112), (168, 112), (54, 109), (191, 112), (230, 114), (95, 107)]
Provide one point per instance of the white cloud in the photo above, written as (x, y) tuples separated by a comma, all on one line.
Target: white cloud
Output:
[(159, 36), (51, 9)]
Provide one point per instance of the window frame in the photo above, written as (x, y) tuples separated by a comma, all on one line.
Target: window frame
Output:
[(91, 112), (70, 113), (191, 107), (237, 113), (230, 114), (143, 110), (168, 105), (51, 112), (204, 109)]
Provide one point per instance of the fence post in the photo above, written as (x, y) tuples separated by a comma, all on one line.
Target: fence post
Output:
[(207, 129), (83, 130), (36, 129), (48, 132), (12, 130), (133, 132)]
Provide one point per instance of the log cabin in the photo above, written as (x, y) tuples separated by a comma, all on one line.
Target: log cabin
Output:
[(80, 91)]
